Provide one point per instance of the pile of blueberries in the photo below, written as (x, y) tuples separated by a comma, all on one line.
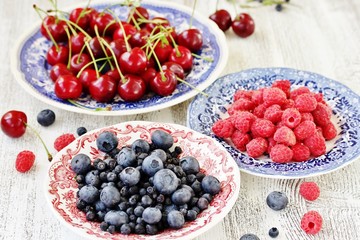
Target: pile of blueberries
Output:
[(142, 188)]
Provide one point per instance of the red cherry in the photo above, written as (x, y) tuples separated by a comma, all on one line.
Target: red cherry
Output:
[(191, 39), (175, 68), (55, 27), (58, 70), (157, 21), (132, 89), (80, 17), (58, 54), (118, 46), (103, 89), (77, 42), (243, 25), (114, 74), (78, 61), (139, 38), (13, 123), (222, 18), (103, 21), (129, 29), (164, 83), (148, 75), (98, 48), (86, 77), (183, 58), (138, 13), (133, 62), (68, 87), (162, 51)]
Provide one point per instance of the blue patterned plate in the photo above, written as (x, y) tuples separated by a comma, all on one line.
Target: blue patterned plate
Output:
[(344, 149), (32, 72)]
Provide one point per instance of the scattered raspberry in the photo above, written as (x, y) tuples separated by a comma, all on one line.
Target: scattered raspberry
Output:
[(300, 152), (311, 222), (262, 128), (307, 117), (273, 113), (284, 85), (298, 91), (24, 161), (281, 153), (274, 96), (322, 114), (304, 130), (259, 111), (243, 104), (63, 140), (305, 102), (242, 94), (257, 147), (257, 96), (316, 144), (291, 117), (240, 140), (329, 131), (309, 190), (243, 120), (285, 136)]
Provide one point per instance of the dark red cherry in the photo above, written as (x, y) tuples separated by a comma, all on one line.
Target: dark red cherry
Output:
[(68, 87), (164, 83), (78, 61), (118, 46), (80, 17), (133, 62), (97, 47), (138, 13), (55, 27), (243, 25), (86, 77), (183, 58), (175, 68), (13, 123), (103, 21), (129, 30), (132, 89), (156, 21), (77, 43), (103, 89), (191, 39), (148, 75), (222, 18), (162, 51), (114, 74), (59, 54), (58, 70), (139, 38)]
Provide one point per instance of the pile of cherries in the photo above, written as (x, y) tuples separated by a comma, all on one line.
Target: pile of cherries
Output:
[(95, 52)]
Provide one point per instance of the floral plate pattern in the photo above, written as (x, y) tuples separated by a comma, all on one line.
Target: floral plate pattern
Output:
[(32, 71), (61, 187), (344, 149)]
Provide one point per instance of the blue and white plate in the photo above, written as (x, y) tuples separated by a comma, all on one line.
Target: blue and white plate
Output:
[(32, 72), (344, 149)]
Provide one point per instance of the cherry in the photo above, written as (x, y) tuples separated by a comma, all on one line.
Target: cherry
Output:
[(57, 54), (138, 39), (243, 25), (55, 27), (59, 69), (68, 87), (191, 39), (77, 42), (132, 89), (133, 62), (103, 89), (137, 14), (183, 57), (96, 47), (162, 51), (148, 75), (222, 18), (164, 83), (129, 30), (114, 74), (175, 68), (81, 17), (157, 21), (118, 46), (86, 77), (13, 123), (103, 21), (78, 61)]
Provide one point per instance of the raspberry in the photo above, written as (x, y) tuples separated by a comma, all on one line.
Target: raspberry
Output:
[(24, 161), (307, 116), (300, 152), (291, 117), (304, 130), (322, 114), (243, 104), (262, 128), (288, 104), (319, 97), (311, 222), (281, 153), (257, 147), (296, 92), (285, 136), (273, 113), (63, 140), (243, 121), (223, 128), (240, 140), (329, 131), (316, 144), (284, 85), (309, 190), (257, 96), (274, 96), (242, 94), (271, 143), (305, 102), (259, 111)]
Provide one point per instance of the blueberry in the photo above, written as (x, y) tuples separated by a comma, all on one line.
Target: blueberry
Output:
[(100, 215), (159, 153), (277, 200), (125, 229), (202, 203), (162, 139), (278, 7), (151, 165), (138, 211), (165, 181), (110, 196), (90, 215), (207, 196), (111, 177), (140, 146), (126, 157), (104, 226), (106, 142), (140, 229), (81, 164), (196, 186), (111, 229), (89, 194), (151, 215), (80, 178), (181, 196), (210, 185), (175, 219), (273, 232), (46, 117), (151, 229), (190, 165), (81, 131), (116, 218), (191, 215), (130, 176), (170, 208), (92, 178), (249, 236), (101, 166), (146, 201), (100, 206)]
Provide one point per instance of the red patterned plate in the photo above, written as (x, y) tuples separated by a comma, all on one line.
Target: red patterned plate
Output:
[(61, 187)]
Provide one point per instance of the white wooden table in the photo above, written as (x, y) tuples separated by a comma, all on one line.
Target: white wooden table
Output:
[(320, 36)]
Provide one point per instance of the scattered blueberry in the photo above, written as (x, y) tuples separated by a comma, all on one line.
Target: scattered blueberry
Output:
[(81, 164), (175, 219), (81, 131), (278, 7), (273, 232), (106, 142), (46, 117), (211, 185), (249, 236), (277, 200), (190, 165), (162, 139)]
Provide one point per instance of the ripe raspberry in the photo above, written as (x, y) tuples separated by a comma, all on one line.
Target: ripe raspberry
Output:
[(291, 117), (263, 128), (24, 161), (63, 140), (257, 147), (259, 111), (273, 113), (242, 94), (243, 104), (281, 153), (284, 85), (304, 130), (223, 128), (257, 96), (243, 120), (300, 152), (307, 116), (329, 131), (285, 136), (288, 104), (271, 143), (296, 92), (316, 144), (274, 96), (240, 140), (319, 97), (309, 190), (305, 102), (322, 114), (311, 222)]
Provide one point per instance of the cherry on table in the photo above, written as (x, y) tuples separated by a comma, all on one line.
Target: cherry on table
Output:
[(175, 68), (243, 25), (103, 89), (68, 87), (58, 70), (55, 27), (183, 57), (164, 83), (191, 39), (13, 123), (134, 61), (131, 88), (57, 54), (222, 18), (78, 61)]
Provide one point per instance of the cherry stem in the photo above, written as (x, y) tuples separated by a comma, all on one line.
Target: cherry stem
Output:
[(42, 141), (192, 86), (70, 51), (114, 56), (192, 14), (109, 108), (163, 78), (122, 29), (201, 57), (233, 3), (102, 46), (89, 63), (135, 23)]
